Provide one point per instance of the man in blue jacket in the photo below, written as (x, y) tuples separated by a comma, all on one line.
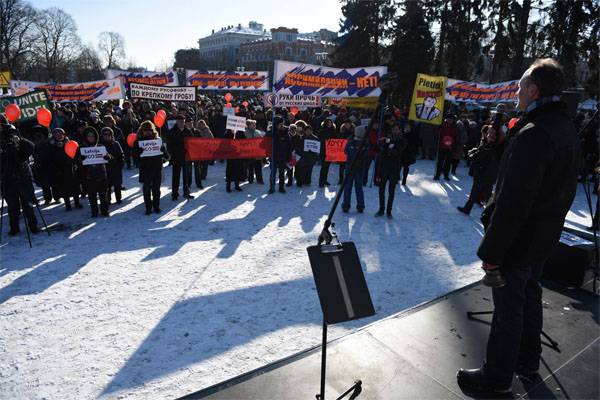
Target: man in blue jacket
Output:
[(355, 152)]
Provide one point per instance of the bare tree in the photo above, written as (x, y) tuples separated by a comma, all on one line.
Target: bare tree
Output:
[(112, 48), (17, 34), (58, 43), (87, 65)]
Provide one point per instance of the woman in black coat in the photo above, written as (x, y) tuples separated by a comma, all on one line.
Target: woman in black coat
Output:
[(235, 170), (409, 154), (387, 167), (62, 170), (150, 167), (114, 168)]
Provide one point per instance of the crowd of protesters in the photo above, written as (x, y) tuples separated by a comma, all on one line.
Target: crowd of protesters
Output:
[(477, 138)]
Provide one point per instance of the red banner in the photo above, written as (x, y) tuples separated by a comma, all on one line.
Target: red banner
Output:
[(335, 150), (199, 149)]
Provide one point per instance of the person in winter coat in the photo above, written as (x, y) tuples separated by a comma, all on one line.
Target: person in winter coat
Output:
[(346, 132), (175, 145), (458, 148), (235, 170), (485, 161), (41, 166), (372, 149), (150, 167), (327, 131), (193, 167), (409, 154), (255, 165), (128, 124), (62, 170), (203, 131), (428, 135), (94, 175), (448, 138), (356, 154), (304, 166), (114, 168), (388, 167), (283, 152), (296, 142), (16, 177)]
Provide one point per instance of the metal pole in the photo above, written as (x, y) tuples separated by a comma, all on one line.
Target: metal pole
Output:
[(321, 396), (273, 132)]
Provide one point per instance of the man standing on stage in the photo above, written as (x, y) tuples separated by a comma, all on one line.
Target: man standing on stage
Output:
[(536, 185)]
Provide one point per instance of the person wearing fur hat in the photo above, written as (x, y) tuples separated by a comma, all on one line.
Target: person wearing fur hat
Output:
[(355, 153), (62, 170), (114, 168), (95, 177), (150, 167)]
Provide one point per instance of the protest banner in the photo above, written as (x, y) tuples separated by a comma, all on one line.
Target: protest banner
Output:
[(428, 99), (295, 78), (29, 103), (93, 155), (286, 100), (162, 93), (235, 123), (168, 78), (335, 150), (228, 111), (5, 77), (354, 102), (228, 80), (313, 146), (503, 92), (150, 148), (199, 149), (109, 89)]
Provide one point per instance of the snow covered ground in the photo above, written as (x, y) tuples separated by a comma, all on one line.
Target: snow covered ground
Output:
[(145, 307)]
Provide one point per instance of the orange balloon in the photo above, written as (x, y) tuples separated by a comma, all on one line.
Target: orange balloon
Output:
[(228, 97), (294, 111), (71, 148), (228, 105), (162, 112), (13, 112), (245, 103), (512, 122), (159, 120), (131, 138), (44, 117)]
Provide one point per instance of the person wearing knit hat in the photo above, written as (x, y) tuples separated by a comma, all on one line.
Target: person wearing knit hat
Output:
[(356, 153), (150, 167)]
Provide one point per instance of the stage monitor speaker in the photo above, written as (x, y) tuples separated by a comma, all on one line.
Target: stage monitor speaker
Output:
[(570, 260)]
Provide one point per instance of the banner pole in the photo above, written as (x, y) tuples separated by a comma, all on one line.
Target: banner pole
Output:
[(273, 131)]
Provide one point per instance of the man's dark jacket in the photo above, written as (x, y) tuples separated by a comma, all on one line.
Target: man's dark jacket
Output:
[(175, 144), (537, 182)]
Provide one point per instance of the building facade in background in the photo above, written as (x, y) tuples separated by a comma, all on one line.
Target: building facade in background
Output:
[(254, 48)]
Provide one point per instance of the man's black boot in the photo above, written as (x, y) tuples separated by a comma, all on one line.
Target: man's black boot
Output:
[(475, 380)]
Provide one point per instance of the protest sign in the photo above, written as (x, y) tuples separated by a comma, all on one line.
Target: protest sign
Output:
[(109, 89), (197, 149), (162, 93), (228, 80), (168, 78), (29, 103), (503, 92), (5, 77), (287, 100), (295, 78), (150, 148), (236, 123), (313, 146), (428, 99), (353, 102), (335, 150), (228, 111), (93, 155)]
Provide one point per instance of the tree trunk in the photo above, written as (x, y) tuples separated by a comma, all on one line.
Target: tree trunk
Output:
[(517, 64)]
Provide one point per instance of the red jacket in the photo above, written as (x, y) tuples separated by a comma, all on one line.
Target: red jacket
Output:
[(448, 134)]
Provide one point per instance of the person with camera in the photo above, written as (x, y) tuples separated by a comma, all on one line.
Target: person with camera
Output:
[(16, 179), (485, 160), (387, 167), (537, 182)]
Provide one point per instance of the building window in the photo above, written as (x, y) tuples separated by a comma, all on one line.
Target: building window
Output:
[(288, 51)]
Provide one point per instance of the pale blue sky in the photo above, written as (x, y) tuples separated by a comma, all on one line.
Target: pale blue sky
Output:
[(155, 29)]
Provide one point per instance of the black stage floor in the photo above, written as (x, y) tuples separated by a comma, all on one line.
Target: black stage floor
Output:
[(415, 354)]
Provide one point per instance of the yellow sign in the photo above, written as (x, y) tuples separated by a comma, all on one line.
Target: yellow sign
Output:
[(428, 99), (355, 102), (5, 77)]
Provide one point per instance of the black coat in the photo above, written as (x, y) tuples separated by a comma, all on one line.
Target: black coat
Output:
[(42, 163), (15, 163), (389, 159), (61, 169), (283, 147), (537, 183), (114, 168), (176, 145), (235, 171), (150, 167)]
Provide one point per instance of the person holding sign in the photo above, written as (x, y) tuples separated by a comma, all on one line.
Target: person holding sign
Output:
[(93, 159), (150, 166), (115, 165)]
